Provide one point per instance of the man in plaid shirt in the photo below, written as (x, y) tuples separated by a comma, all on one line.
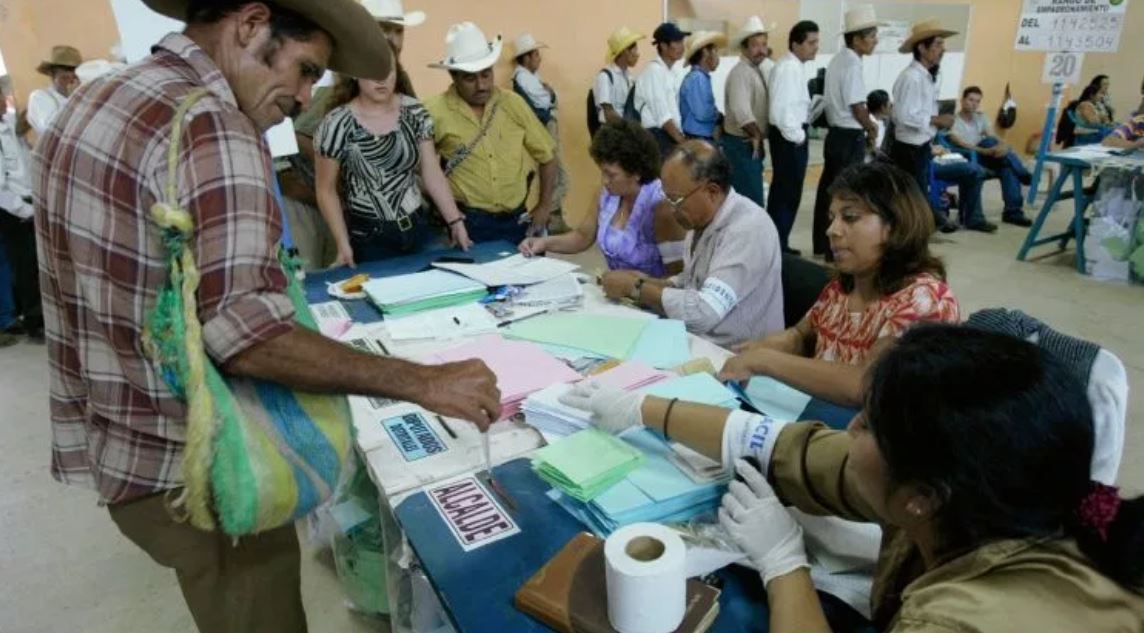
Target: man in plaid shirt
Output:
[(116, 426)]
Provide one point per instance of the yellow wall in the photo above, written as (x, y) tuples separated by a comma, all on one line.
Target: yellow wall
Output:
[(29, 29), (576, 33)]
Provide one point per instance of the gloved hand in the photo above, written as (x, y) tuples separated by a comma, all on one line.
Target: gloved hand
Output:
[(613, 410), (758, 522)]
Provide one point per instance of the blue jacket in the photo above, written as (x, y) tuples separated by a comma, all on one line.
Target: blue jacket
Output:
[(697, 104)]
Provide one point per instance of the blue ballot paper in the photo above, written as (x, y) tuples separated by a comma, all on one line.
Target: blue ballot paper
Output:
[(701, 388), (771, 397), (663, 344)]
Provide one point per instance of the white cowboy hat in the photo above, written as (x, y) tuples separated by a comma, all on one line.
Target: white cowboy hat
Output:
[(621, 40), (701, 39), (923, 31), (752, 27), (859, 18), (468, 50), (526, 43), (392, 11), (360, 48), (91, 70)]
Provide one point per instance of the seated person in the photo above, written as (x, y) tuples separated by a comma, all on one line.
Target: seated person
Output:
[(490, 138), (1097, 112), (887, 280), (630, 220), (1128, 136), (730, 290), (972, 132), (974, 453), (1089, 126), (370, 150), (969, 178)]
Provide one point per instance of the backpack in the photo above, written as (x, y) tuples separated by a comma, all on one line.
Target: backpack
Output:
[(629, 111)]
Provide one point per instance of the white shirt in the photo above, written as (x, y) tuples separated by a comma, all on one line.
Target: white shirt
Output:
[(613, 90), (790, 99), (657, 95), (845, 86), (14, 176), (43, 105), (767, 66), (533, 87), (915, 105)]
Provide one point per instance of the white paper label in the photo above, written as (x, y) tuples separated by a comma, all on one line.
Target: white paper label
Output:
[(1062, 68), (472, 514), (1079, 26)]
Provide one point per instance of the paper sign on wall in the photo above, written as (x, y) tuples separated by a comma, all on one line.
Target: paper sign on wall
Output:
[(1062, 68), (413, 437), (474, 518), (1078, 26)]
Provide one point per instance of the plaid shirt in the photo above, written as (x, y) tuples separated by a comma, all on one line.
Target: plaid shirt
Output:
[(116, 426)]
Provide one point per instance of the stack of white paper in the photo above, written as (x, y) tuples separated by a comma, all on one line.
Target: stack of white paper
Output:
[(406, 294), (517, 270), (444, 323), (560, 291), (544, 411)]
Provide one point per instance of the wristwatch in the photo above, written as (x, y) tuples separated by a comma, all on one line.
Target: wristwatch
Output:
[(635, 294)]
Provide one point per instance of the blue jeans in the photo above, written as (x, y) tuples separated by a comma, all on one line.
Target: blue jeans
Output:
[(746, 170), (7, 302), (484, 226), (969, 178), (1012, 172)]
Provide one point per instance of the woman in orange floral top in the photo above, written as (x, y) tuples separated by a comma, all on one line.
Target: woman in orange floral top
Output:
[(887, 281)]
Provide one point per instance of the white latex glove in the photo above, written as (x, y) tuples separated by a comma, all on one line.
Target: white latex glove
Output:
[(761, 526), (613, 410)]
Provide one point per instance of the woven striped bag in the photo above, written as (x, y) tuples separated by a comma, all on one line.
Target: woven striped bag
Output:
[(257, 455)]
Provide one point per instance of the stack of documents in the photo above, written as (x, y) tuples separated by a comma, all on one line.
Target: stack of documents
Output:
[(517, 270), (521, 368), (558, 292), (405, 294), (771, 397), (544, 411), (702, 388), (586, 464), (657, 492), (610, 336), (470, 319), (663, 344)]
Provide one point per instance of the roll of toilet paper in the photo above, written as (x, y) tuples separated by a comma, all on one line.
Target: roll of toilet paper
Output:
[(646, 581)]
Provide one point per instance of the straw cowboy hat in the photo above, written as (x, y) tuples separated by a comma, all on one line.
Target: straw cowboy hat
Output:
[(620, 40), (702, 39), (467, 49), (923, 31), (91, 70), (360, 48), (752, 27), (859, 18), (63, 56), (525, 44), (393, 12)]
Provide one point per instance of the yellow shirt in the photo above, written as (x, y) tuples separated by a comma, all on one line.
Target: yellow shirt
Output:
[(494, 177)]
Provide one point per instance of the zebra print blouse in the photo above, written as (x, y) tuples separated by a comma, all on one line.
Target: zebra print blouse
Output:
[(378, 175)]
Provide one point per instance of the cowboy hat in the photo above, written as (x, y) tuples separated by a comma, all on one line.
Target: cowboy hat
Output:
[(467, 49), (61, 56), (752, 27), (360, 48), (702, 39), (621, 40), (393, 12), (525, 44), (93, 69), (923, 31), (859, 18)]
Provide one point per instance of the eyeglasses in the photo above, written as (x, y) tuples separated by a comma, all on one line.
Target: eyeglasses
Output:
[(681, 199)]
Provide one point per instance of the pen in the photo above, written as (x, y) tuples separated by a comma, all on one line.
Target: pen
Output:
[(456, 320), (447, 428), (384, 349)]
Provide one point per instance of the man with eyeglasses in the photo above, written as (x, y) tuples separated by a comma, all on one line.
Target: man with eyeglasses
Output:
[(730, 290)]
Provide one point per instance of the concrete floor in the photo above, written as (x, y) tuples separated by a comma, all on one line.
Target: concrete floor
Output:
[(64, 567)]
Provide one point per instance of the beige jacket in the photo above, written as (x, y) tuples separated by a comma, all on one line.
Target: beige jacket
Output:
[(1017, 586)]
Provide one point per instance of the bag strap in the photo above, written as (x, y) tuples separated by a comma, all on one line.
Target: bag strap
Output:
[(466, 150)]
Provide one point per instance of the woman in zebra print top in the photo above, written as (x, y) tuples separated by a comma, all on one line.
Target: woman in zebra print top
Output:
[(371, 147)]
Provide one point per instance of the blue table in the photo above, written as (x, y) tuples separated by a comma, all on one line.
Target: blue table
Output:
[(361, 311), (1073, 168), (477, 588)]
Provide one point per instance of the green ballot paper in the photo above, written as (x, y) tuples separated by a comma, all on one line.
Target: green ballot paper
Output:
[(585, 464)]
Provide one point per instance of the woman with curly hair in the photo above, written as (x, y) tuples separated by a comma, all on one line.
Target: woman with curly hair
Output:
[(879, 231), (631, 221)]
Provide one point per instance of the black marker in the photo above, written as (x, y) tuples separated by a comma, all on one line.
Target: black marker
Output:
[(447, 428)]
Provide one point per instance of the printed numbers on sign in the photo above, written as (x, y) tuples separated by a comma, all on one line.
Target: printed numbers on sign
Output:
[(1062, 68)]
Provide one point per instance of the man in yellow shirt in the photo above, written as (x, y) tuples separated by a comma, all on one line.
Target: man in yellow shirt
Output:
[(489, 139)]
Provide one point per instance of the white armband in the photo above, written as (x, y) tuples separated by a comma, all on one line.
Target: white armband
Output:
[(720, 297), (750, 435)]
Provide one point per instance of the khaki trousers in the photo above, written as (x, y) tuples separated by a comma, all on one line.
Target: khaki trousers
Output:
[(253, 586)]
